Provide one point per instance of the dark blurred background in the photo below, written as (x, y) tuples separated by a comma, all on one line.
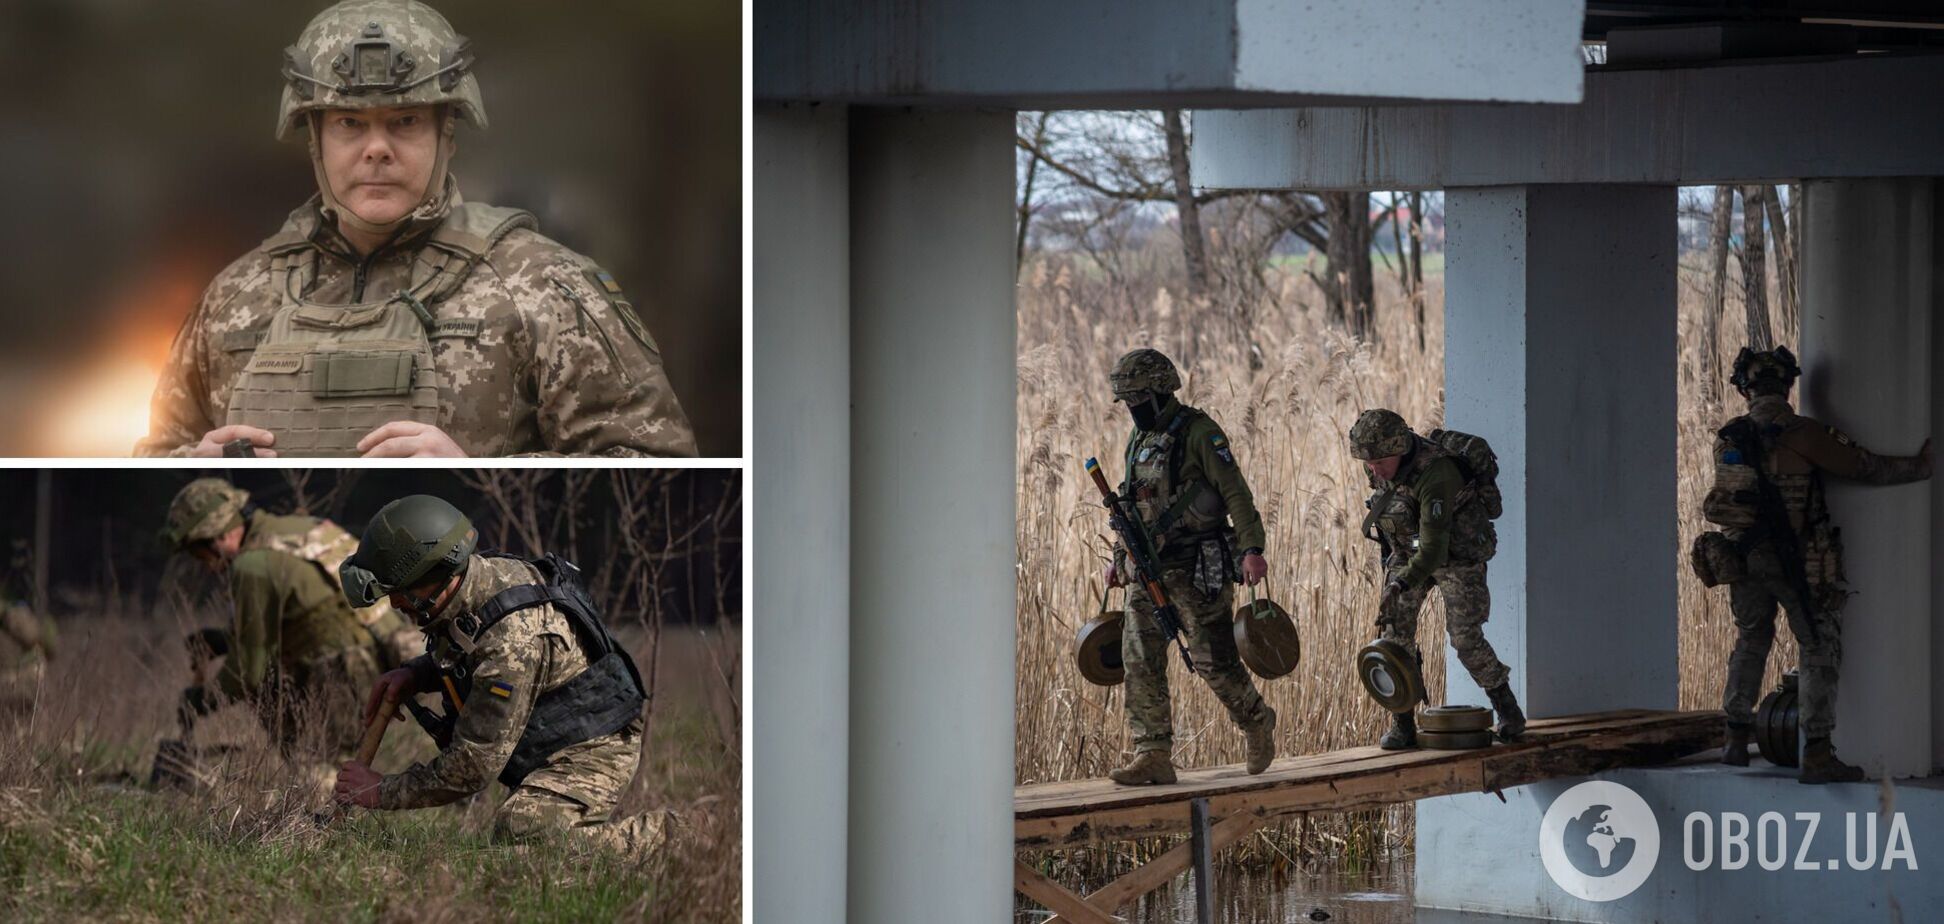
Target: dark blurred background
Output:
[(655, 546), (138, 158)]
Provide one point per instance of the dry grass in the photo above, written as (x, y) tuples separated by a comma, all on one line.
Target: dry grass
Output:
[(82, 836), (1286, 386)]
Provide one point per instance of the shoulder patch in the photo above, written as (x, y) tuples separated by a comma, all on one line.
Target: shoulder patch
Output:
[(1220, 444), (501, 689), (604, 283)]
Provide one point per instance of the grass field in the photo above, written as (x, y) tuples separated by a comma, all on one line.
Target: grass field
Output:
[(82, 837), (1286, 386)]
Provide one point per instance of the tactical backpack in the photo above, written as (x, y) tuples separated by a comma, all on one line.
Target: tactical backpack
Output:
[(598, 701), (1477, 464)]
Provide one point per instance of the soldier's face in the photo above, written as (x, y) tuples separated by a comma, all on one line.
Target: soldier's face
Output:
[(1384, 468), (379, 161), (427, 600), (216, 553)]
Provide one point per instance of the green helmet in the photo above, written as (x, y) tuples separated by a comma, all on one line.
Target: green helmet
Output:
[(1768, 371), (363, 54), (410, 540), (201, 511), (1142, 370), (1379, 434)]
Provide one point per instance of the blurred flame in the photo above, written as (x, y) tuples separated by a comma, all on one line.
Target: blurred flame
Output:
[(101, 412)]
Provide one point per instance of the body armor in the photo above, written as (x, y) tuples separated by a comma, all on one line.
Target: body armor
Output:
[(1176, 510), (1394, 512), (322, 376)]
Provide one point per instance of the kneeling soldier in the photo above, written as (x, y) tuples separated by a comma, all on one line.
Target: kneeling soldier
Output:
[(1187, 489), (1434, 531), (538, 694)]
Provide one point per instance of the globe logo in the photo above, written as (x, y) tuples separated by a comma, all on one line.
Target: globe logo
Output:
[(1599, 841)]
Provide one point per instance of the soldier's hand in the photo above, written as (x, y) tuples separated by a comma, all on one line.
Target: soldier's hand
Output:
[(1254, 569), (211, 446), (399, 680), (357, 784), (1113, 576), (409, 439), (1393, 589)]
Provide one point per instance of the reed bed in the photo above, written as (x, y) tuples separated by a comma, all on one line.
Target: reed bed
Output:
[(1286, 385)]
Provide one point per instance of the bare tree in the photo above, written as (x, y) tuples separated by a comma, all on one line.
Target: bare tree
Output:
[(1724, 207), (1038, 135), (1785, 260), (1194, 247), (1754, 268), (1348, 287)]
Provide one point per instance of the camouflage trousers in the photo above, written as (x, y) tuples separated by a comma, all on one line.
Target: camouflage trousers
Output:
[(1211, 641), (1753, 601), (576, 793), (1468, 603)]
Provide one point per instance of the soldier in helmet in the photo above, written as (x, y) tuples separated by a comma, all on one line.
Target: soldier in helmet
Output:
[(1791, 453), (389, 316), (295, 648), (1190, 494), (1435, 532), (539, 695)]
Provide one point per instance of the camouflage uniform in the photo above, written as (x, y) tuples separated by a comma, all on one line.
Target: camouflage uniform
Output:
[(1185, 464), (1434, 539), (26, 643), (1797, 451), (533, 348), (524, 655), (296, 648)]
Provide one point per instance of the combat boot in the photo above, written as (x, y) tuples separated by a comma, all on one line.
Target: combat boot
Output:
[(1402, 734), (1735, 752), (1819, 764), (1147, 769), (1511, 718), (1262, 741)]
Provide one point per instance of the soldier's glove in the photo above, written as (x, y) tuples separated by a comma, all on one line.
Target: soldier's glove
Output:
[(1387, 602), (196, 703)]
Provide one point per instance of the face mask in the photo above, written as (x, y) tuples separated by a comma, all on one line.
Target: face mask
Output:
[(1147, 414)]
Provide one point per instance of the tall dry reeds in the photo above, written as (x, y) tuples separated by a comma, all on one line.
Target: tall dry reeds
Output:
[(1286, 386)]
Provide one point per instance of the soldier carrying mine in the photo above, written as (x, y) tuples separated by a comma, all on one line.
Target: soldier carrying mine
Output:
[(390, 317), (1194, 503), (1432, 512), (1778, 546)]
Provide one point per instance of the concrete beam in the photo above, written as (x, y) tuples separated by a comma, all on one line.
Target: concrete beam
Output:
[(801, 514), (933, 360), (1092, 54), (1854, 117)]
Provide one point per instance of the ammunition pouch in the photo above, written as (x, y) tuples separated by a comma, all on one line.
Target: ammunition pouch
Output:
[(1717, 559), (1215, 562)]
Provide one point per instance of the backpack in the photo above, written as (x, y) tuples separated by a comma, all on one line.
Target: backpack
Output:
[(1478, 464)]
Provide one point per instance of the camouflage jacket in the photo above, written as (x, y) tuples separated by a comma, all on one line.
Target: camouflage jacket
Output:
[(1798, 448), (511, 664), (538, 351), (24, 637), (289, 611), (1420, 514), (1190, 453)]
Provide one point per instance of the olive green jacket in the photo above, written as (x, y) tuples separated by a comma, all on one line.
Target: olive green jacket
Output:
[(1425, 512), (1206, 456), (289, 613)]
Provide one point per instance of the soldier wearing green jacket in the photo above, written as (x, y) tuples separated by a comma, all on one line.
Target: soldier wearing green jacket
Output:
[(1189, 492), (295, 649), (1434, 534)]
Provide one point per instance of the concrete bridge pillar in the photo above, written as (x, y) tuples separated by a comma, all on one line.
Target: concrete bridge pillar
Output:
[(1870, 299)]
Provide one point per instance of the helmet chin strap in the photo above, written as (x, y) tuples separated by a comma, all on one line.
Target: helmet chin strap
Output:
[(438, 189)]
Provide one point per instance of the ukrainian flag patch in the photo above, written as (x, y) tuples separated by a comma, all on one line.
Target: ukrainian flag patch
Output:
[(501, 689), (1222, 449)]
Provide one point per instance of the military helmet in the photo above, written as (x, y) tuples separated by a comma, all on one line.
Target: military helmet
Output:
[(1379, 434), (364, 54), (201, 511), (1142, 370), (410, 540), (1777, 366)]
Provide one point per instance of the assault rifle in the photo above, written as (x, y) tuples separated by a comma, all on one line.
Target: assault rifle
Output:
[(1775, 526), (1141, 552)]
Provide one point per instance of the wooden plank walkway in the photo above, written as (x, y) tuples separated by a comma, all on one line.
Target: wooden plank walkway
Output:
[(1079, 812)]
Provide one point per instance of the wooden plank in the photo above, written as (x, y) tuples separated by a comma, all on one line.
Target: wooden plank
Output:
[(1155, 873), (1601, 743), (1056, 897)]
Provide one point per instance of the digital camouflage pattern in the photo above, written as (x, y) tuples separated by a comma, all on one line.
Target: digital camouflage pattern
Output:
[(1799, 451), (537, 351), (1144, 370), (526, 654), (1379, 434), (1211, 642), (202, 510), (1198, 564), (413, 57), (1433, 540)]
